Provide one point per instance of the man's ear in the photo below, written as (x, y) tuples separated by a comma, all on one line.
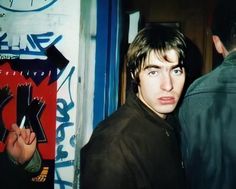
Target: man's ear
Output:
[(220, 48), (218, 44)]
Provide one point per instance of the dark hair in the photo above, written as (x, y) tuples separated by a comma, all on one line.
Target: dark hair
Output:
[(156, 38), (224, 23)]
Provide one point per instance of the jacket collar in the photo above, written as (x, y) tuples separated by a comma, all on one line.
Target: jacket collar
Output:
[(134, 101), (231, 58)]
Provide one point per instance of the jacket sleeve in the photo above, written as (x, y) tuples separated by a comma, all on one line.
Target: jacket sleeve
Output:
[(34, 165), (104, 167), (13, 175)]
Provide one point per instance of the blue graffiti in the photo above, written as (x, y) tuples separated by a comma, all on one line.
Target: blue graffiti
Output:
[(61, 131), (68, 79), (64, 110), (63, 117), (28, 5), (59, 181), (73, 141), (36, 44), (60, 153)]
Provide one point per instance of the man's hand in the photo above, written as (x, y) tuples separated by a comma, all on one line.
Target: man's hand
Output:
[(21, 144)]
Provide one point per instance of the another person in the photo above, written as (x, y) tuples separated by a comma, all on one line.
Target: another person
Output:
[(20, 160), (208, 113), (135, 147)]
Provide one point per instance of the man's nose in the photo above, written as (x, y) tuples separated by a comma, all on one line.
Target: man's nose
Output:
[(166, 82)]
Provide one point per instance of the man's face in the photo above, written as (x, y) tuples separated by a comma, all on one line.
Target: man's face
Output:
[(161, 83)]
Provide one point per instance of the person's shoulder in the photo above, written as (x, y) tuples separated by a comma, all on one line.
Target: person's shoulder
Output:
[(113, 126), (204, 83), (196, 85), (118, 118)]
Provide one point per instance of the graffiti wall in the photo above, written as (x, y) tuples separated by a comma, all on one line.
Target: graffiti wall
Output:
[(39, 45)]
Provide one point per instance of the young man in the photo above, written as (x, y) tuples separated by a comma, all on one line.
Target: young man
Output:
[(135, 147), (208, 113)]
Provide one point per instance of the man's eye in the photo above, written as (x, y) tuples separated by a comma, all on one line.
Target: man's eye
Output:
[(153, 73), (177, 71)]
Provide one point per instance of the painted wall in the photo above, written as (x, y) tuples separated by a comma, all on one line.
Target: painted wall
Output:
[(27, 29), (87, 47)]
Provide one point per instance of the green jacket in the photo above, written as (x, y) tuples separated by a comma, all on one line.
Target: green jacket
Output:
[(208, 128)]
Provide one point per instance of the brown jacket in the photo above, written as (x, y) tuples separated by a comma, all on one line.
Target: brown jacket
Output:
[(133, 148)]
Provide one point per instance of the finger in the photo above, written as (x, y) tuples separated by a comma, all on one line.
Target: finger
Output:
[(11, 139), (25, 134), (15, 128), (32, 138), (27, 139)]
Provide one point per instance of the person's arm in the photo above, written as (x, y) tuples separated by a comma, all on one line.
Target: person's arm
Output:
[(35, 163)]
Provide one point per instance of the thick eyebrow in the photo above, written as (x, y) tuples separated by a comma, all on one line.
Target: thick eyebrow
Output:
[(151, 66), (158, 67)]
